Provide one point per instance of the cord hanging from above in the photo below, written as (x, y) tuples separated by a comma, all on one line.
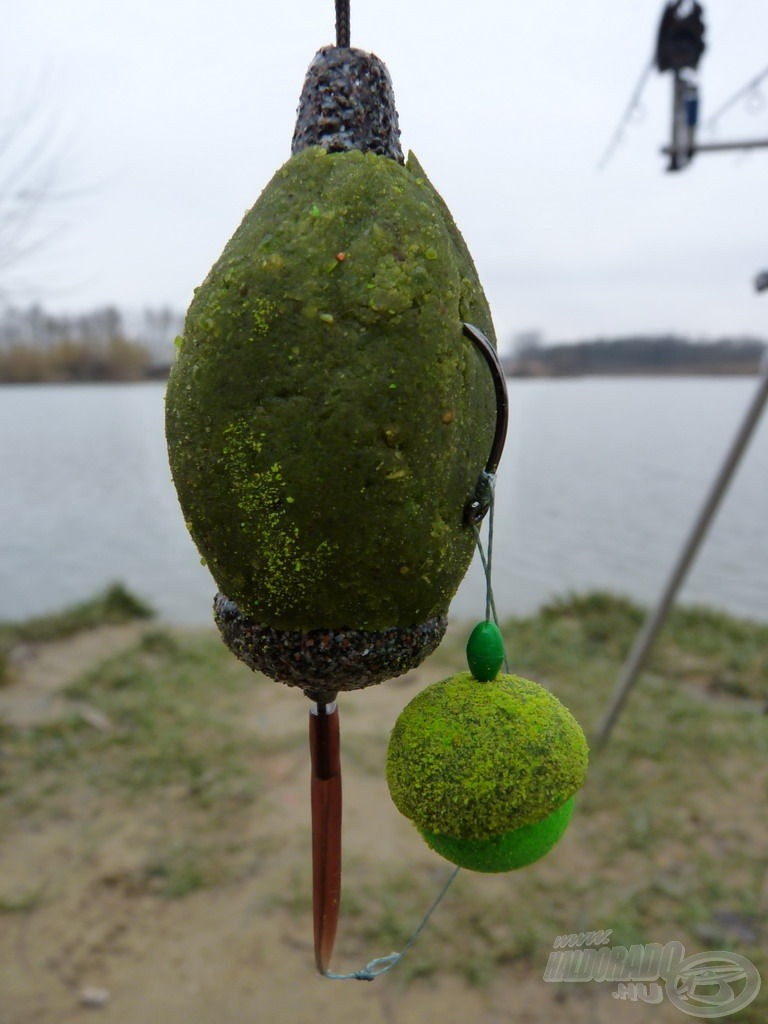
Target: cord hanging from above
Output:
[(342, 23)]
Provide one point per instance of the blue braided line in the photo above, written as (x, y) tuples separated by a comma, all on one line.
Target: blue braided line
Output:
[(487, 562), (381, 964)]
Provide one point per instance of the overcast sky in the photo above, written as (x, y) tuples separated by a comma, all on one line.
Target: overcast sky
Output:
[(174, 115)]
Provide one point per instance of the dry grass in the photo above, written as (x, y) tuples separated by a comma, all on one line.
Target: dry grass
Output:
[(176, 779)]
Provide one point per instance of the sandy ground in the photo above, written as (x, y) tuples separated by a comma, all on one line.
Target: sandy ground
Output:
[(98, 947)]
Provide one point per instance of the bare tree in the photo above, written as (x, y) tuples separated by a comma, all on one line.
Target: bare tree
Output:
[(31, 158)]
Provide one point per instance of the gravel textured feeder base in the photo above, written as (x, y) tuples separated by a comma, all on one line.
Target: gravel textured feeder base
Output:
[(322, 662)]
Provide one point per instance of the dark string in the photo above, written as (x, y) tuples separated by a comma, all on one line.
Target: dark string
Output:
[(342, 23)]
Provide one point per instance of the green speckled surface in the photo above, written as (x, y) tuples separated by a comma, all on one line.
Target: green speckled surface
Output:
[(326, 419), (475, 759)]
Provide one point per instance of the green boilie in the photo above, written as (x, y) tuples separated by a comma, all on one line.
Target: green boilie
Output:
[(487, 771)]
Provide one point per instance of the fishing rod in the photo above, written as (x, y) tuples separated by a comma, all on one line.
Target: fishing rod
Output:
[(679, 48), (680, 45), (746, 90)]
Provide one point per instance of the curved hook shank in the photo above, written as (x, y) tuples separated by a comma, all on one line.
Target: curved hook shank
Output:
[(479, 503)]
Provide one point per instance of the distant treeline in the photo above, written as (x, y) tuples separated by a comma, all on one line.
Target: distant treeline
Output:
[(106, 345), (663, 354), (69, 361), (39, 347)]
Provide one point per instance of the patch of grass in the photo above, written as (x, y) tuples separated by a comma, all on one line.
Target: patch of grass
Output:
[(113, 606), (165, 729), (170, 710), (181, 869), (171, 749), (720, 653), (601, 621), (21, 902)]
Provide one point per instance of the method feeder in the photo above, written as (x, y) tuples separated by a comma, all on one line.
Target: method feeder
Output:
[(329, 416)]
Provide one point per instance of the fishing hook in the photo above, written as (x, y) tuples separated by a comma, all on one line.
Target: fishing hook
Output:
[(480, 501)]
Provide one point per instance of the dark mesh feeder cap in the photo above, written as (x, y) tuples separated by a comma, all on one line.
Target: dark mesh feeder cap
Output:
[(322, 662), (348, 103)]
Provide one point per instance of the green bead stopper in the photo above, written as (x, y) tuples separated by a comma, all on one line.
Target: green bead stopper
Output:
[(485, 651)]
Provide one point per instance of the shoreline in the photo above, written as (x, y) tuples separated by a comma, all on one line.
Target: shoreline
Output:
[(510, 372)]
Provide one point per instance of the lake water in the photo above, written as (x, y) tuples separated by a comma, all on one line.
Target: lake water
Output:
[(599, 484)]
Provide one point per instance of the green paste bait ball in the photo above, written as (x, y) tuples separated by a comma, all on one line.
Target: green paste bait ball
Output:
[(487, 771), (326, 418)]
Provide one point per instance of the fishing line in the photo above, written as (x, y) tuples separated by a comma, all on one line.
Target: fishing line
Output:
[(381, 964), (487, 562), (626, 117), (745, 90)]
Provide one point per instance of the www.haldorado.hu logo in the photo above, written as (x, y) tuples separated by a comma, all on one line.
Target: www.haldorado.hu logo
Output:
[(708, 985)]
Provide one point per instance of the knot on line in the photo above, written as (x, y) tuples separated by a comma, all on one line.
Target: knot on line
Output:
[(381, 964), (371, 971)]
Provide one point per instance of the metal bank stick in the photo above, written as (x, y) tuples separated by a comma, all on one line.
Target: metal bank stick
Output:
[(653, 623)]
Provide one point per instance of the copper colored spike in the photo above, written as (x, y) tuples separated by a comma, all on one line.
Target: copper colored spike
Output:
[(324, 750)]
